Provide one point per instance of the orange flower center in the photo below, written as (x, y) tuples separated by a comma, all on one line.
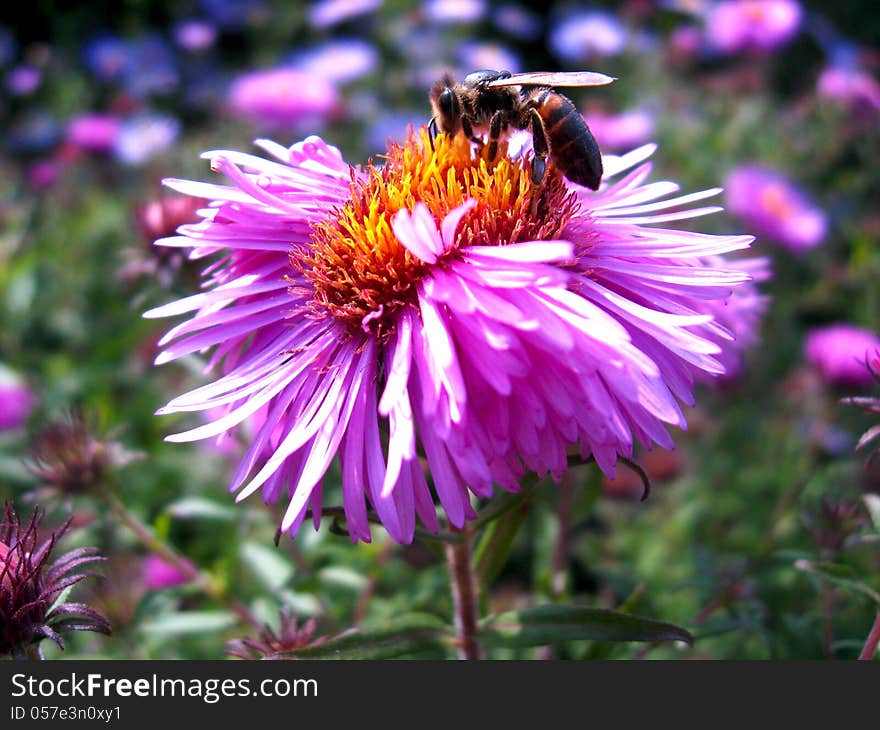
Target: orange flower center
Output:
[(356, 266), (776, 201)]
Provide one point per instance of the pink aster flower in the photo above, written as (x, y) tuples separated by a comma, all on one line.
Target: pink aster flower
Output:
[(850, 86), (774, 207), (445, 313), (280, 97), (841, 353), (752, 25), (93, 132)]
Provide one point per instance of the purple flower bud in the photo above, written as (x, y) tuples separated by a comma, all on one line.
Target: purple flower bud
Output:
[(30, 586), (158, 574), (16, 400), (841, 353)]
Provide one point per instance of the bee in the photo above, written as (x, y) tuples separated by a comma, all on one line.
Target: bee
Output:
[(499, 100)]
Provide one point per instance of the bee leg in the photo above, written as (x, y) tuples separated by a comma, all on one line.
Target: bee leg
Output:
[(469, 131), (540, 145), (494, 134)]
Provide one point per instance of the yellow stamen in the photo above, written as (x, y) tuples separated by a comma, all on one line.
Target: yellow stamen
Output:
[(357, 267)]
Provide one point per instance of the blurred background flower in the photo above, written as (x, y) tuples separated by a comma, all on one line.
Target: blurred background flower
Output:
[(841, 353), (774, 207), (283, 97), (752, 25), (16, 399)]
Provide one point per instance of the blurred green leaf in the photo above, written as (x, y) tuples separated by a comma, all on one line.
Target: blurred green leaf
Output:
[(841, 575), (199, 508), (496, 541), (268, 564), (554, 623), (189, 622)]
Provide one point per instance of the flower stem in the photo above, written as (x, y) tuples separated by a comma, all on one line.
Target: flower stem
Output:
[(464, 595), (152, 543), (873, 639)]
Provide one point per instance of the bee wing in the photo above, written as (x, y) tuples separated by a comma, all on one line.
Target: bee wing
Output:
[(559, 78)]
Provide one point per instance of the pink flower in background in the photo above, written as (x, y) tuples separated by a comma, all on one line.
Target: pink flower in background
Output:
[(841, 353), (488, 331), (752, 25), (16, 400), (615, 132), (281, 97), (853, 87), (773, 207), (24, 80), (195, 35), (159, 575), (43, 174), (93, 132)]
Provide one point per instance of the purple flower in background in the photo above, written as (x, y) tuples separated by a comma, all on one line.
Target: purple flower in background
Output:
[(233, 15), (583, 36), (23, 80), (158, 574), (773, 207), (621, 131), (387, 126), (327, 13), (487, 323), (43, 174), (195, 35), (850, 86), (36, 131), (518, 22), (481, 54), (454, 11), (752, 25), (93, 132), (151, 67), (106, 57), (841, 353), (143, 136), (16, 400), (281, 97), (338, 61)]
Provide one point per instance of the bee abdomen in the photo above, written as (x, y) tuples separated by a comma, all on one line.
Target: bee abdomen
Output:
[(572, 146)]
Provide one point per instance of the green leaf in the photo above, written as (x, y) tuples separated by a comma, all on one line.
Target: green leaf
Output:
[(189, 622), (343, 577), (267, 564), (199, 508), (553, 624), (407, 635), (840, 575)]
